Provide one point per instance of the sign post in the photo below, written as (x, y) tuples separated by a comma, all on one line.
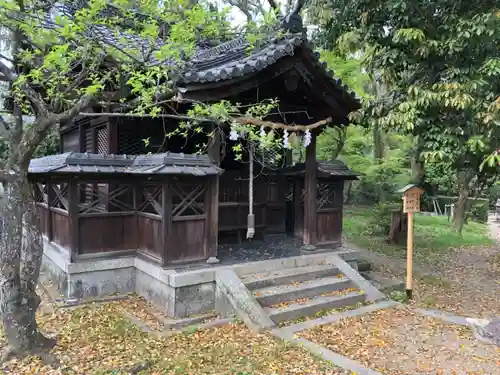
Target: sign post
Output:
[(411, 204)]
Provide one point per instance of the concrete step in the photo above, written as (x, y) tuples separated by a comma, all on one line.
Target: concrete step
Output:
[(296, 310), (289, 275), (277, 294)]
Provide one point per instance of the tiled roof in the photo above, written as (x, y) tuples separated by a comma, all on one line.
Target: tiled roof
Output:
[(231, 60), (155, 164), (225, 61), (335, 168)]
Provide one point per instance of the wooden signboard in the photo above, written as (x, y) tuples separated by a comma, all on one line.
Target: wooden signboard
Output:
[(411, 204), (411, 199)]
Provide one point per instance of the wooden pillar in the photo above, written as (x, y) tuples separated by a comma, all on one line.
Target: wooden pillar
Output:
[(48, 218), (339, 202), (310, 186), (135, 207), (73, 215), (298, 226), (166, 194), (288, 158), (212, 201)]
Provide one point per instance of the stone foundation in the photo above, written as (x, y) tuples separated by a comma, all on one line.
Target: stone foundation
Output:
[(87, 279), (177, 301), (179, 293)]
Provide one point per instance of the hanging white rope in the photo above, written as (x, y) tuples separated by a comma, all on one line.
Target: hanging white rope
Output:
[(251, 217)]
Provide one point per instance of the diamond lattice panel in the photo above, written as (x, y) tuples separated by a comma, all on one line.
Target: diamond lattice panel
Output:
[(102, 140)]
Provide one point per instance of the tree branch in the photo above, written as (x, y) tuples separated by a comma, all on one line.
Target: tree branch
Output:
[(243, 8), (2, 56), (8, 74), (239, 120), (32, 138), (274, 6), (4, 123)]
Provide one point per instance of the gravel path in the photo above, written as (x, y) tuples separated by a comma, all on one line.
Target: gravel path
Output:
[(494, 225)]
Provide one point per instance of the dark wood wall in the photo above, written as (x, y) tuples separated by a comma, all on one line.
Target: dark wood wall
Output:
[(329, 212), (269, 206), (165, 221), (90, 134), (153, 223)]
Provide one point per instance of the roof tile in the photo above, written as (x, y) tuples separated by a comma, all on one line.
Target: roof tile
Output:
[(155, 164), (225, 61)]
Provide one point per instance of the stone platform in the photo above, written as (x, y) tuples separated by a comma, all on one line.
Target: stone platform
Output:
[(180, 292)]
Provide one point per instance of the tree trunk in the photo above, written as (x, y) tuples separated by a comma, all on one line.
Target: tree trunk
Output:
[(417, 166), (378, 142), (464, 179), (347, 191), (20, 260), (417, 171)]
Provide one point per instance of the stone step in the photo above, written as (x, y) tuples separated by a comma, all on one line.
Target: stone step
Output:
[(311, 288), (296, 310), (288, 275), (384, 284)]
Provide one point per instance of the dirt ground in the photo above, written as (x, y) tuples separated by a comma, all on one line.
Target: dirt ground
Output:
[(400, 341), (100, 339), (466, 281)]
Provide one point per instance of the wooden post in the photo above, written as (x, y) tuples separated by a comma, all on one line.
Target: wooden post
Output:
[(310, 186), (50, 224), (409, 257), (411, 204), (166, 194), (73, 215), (212, 201)]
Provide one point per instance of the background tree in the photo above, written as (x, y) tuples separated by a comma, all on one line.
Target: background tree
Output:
[(381, 156), (441, 64)]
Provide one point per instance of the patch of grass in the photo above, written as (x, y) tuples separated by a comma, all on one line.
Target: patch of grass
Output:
[(433, 235)]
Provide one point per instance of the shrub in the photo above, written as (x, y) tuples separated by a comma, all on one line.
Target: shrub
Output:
[(479, 212)]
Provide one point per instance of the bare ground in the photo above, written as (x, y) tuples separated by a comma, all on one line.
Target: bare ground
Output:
[(400, 341), (466, 281)]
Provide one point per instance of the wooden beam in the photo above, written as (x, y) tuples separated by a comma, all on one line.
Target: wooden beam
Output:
[(310, 186), (74, 230), (212, 201)]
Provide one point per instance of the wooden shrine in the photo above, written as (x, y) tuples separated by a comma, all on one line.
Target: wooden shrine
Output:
[(105, 197)]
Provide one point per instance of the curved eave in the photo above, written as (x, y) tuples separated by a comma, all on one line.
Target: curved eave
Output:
[(250, 64), (350, 100)]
